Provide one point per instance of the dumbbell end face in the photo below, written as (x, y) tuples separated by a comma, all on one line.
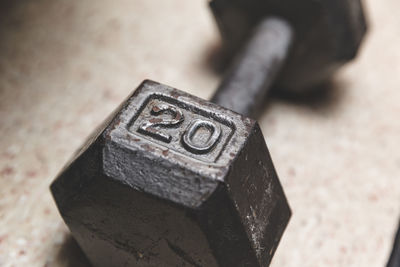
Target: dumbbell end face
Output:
[(328, 34), (173, 180)]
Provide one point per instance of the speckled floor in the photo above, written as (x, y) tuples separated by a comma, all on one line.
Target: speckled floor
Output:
[(65, 65)]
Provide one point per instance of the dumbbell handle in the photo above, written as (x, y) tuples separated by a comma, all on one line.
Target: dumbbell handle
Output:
[(254, 70)]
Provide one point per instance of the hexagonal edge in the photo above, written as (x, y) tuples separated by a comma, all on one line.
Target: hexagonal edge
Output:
[(258, 196)]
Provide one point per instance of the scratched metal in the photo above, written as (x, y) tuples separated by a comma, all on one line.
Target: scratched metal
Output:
[(173, 180)]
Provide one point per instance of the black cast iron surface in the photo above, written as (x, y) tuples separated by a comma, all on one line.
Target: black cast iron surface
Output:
[(173, 180)]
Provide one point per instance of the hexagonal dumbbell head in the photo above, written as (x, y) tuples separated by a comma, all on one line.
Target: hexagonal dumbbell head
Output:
[(327, 34), (173, 180)]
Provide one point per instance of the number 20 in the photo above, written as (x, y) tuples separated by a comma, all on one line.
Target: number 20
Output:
[(153, 127)]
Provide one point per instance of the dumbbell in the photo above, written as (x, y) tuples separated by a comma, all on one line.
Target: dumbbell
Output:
[(173, 180), (394, 259)]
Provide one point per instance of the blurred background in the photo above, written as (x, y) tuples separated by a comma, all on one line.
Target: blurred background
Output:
[(65, 65)]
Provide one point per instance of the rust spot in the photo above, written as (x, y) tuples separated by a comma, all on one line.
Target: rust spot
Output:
[(156, 109), (178, 116), (175, 94), (22, 252), (147, 147), (130, 138), (220, 173), (115, 125), (134, 139), (165, 152), (156, 120)]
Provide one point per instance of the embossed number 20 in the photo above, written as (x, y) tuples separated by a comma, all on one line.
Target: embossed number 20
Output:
[(154, 125)]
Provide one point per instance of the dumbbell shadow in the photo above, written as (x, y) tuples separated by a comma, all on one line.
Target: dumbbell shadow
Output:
[(324, 99), (70, 255)]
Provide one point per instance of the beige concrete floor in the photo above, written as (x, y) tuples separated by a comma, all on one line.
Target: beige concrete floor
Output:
[(64, 65)]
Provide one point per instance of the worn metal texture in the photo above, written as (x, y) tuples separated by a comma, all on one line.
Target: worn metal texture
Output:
[(254, 70), (327, 34), (173, 180), (394, 259)]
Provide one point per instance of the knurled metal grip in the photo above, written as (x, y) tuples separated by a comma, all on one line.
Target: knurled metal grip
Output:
[(173, 180)]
